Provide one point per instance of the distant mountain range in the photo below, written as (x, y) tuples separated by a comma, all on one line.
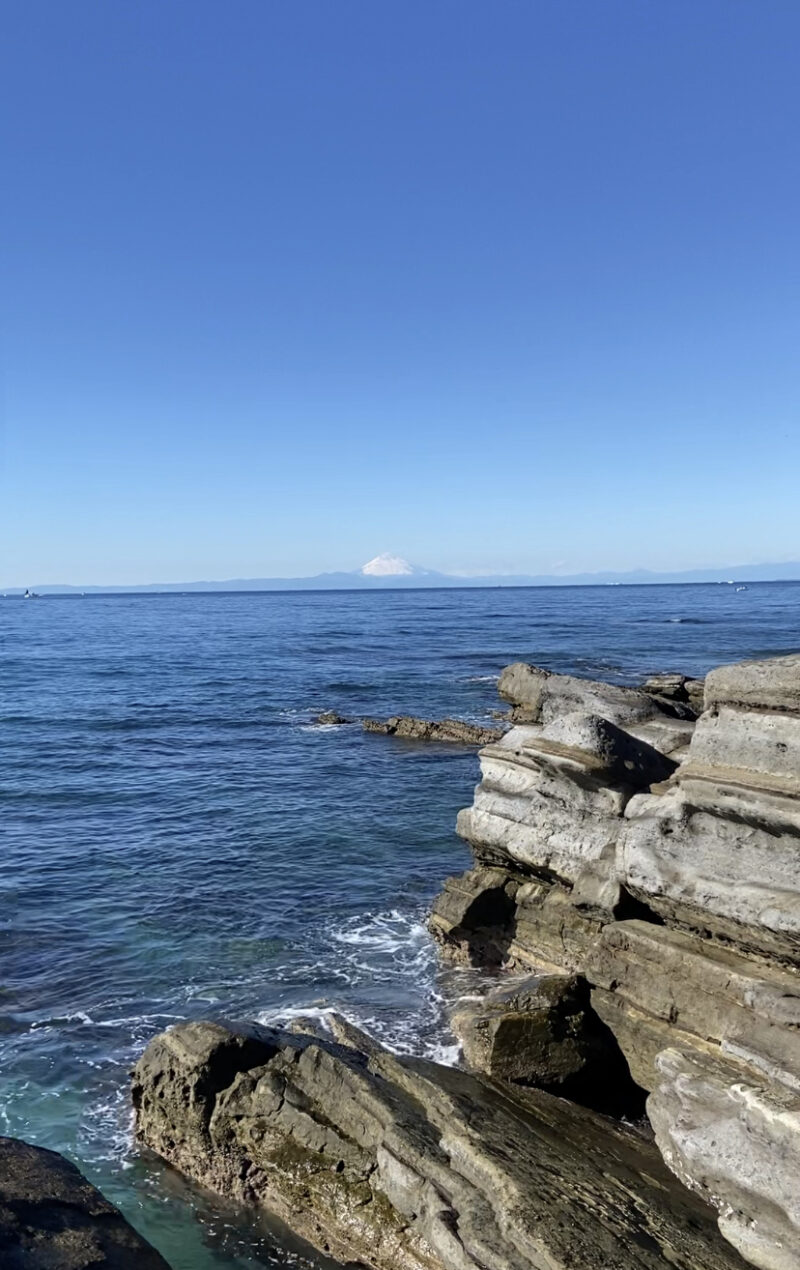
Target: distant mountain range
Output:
[(388, 571)]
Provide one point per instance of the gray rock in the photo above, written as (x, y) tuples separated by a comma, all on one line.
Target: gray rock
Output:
[(670, 986), (329, 718), (550, 799), (597, 746), (714, 873), (737, 1143), (545, 696), (450, 731), (473, 916), (772, 684), (406, 1165), (51, 1218)]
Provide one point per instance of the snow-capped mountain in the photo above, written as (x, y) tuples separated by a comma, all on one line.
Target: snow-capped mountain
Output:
[(389, 566)]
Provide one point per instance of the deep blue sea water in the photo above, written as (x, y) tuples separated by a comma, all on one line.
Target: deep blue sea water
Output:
[(180, 840)]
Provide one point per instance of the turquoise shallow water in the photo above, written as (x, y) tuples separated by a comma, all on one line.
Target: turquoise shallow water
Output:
[(180, 840)]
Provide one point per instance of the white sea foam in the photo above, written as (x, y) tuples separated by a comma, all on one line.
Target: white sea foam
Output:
[(281, 1015), (386, 964)]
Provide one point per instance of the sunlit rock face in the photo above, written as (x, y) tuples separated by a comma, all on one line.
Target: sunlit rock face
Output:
[(658, 861), (401, 1164)]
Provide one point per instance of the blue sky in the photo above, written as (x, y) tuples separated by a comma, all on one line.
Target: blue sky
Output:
[(506, 286)]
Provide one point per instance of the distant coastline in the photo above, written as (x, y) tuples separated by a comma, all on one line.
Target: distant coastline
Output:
[(421, 579)]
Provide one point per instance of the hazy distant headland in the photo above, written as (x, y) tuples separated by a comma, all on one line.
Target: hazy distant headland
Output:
[(387, 571)]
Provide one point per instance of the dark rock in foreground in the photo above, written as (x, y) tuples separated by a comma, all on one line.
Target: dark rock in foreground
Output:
[(51, 1218), (454, 731), (672, 687), (330, 719), (407, 1165)]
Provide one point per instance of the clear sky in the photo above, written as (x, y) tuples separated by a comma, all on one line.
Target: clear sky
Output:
[(498, 286)]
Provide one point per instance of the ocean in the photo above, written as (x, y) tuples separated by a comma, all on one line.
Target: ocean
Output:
[(181, 840)]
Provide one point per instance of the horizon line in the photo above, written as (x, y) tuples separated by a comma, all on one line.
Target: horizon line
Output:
[(67, 590)]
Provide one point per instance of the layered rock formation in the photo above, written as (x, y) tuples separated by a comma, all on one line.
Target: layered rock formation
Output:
[(407, 1165), (659, 862), (51, 1218)]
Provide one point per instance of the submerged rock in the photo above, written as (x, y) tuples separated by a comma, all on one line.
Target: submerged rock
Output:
[(51, 1218), (329, 718), (454, 731), (404, 1164)]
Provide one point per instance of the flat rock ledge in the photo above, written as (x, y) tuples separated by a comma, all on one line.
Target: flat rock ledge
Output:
[(51, 1218), (450, 731), (403, 1164)]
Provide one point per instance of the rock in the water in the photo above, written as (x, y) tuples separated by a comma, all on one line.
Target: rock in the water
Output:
[(406, 1165), (51, 1218), (330, 719), (452, 731)]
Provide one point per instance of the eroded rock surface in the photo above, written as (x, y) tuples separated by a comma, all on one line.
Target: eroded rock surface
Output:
[(51, 1218), (403, 1164)]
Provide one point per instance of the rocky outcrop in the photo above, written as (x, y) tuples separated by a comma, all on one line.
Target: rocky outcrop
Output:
[(403, 1164), (452, 731), (540, 696), (51, 1218), (658, 861), (330, 719)]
